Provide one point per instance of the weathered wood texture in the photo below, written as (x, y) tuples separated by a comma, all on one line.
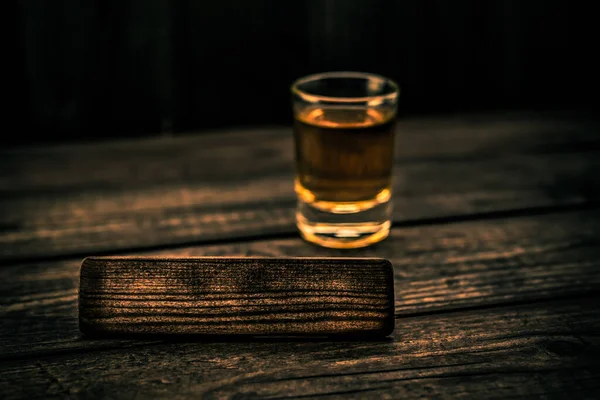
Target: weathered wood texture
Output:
[(437, 268), (547, 350), (236, 296), (487, 308), (78, 199)]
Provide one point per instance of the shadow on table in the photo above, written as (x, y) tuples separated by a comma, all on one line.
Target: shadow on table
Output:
[(243, 338)]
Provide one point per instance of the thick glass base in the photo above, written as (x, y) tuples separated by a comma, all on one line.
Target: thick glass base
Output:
[(344, 230)]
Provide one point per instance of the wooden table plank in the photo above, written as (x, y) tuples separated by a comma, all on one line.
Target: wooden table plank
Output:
[(538, 350), (438, 268), (160, 192), (235, 154)]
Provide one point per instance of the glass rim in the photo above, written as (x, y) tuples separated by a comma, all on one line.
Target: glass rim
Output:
[(378, 98)]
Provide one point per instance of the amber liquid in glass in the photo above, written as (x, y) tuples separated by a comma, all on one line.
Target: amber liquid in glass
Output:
[(344, 157)]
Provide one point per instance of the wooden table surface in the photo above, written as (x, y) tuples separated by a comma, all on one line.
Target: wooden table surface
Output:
[(495, 246)]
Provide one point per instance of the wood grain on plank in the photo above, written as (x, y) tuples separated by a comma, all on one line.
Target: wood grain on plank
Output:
[(538, 350), (90, 219), (437, 268), (236, 296)]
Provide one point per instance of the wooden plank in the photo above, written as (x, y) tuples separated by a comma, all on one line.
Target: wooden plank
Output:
[(130, 163), (156, 192), (527, 351), (274, 296), (437, 268), (107, 221)]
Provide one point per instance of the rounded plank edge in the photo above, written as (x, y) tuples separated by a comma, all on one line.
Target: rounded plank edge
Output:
[(236, 296)]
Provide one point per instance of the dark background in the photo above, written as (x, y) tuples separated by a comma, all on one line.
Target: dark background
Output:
[(88, 69)]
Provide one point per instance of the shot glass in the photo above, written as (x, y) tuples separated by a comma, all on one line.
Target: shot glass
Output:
[(344, 128)]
